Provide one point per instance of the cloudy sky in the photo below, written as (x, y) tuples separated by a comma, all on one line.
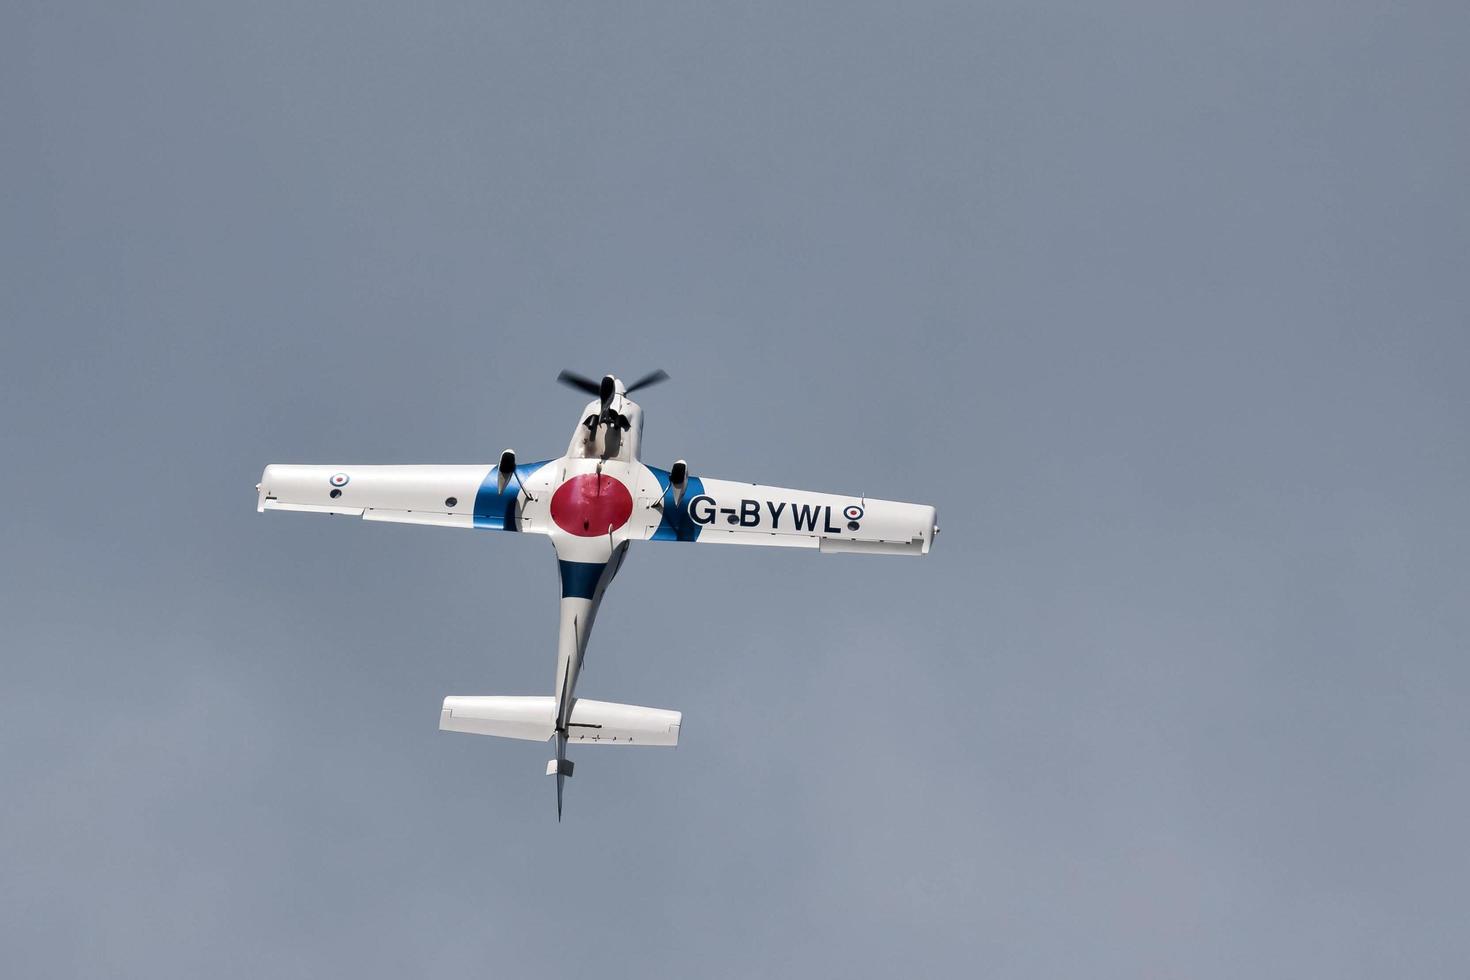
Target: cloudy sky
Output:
[(1162, 305)]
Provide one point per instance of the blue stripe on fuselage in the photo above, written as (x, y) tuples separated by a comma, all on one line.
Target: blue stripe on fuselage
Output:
[(676, 524), (579, 578), (497, 509)]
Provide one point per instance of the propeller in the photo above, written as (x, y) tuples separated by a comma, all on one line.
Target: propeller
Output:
[(603, 389), (649, 380), (574, 380)]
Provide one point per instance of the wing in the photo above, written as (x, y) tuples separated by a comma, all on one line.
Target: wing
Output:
[(726, 512), (445, 496)]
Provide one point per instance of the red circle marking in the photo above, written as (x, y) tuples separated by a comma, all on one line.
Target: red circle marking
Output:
[(591, 505)]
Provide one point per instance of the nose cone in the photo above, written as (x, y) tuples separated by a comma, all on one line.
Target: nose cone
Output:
[(610, 386)]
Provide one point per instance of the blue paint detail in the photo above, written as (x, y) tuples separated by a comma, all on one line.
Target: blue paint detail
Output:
[(579, 578), (676, 524), (494, 509)]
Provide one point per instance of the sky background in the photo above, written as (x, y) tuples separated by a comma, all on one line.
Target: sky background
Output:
[(1162, 305)]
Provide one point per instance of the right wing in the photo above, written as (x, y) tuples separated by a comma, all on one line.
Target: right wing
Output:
[(727, 512), (445, 496)]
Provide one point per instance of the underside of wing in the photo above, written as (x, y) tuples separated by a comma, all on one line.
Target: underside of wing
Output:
[(726, 512), (440, 495)]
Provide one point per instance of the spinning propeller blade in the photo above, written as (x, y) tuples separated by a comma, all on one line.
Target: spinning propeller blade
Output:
[(573, 380), (649, 379), (583, 383)]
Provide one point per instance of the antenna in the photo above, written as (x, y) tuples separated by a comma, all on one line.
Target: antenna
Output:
[(523, 486)]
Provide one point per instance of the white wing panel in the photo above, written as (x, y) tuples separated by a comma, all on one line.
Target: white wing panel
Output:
[(759, 539), (419, 517), (443, 496), (727, 512)]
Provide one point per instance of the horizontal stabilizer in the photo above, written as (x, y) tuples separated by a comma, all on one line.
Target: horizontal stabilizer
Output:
[(534, 719)]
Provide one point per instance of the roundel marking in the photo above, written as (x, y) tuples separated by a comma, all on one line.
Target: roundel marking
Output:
[(853, 512), (591, 505), (339, 479)]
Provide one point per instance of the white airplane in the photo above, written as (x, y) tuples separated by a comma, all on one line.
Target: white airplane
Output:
[(592, 502)]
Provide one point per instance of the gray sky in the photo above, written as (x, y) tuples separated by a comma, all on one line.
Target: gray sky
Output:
[(1162, 305)]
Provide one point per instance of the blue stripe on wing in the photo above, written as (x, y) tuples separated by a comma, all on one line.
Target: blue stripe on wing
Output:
[(676, 525), (495, 508)]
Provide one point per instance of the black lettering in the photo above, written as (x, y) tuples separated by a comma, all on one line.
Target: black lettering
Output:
[(804, 514), (750, 513), (775, 510), (702, 510), (828, 519)]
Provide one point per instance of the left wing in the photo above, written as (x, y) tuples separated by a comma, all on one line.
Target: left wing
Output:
[(726, 512), (446, 496)]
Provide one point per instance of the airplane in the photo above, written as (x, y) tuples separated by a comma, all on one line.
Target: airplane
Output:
[(592, 503)]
